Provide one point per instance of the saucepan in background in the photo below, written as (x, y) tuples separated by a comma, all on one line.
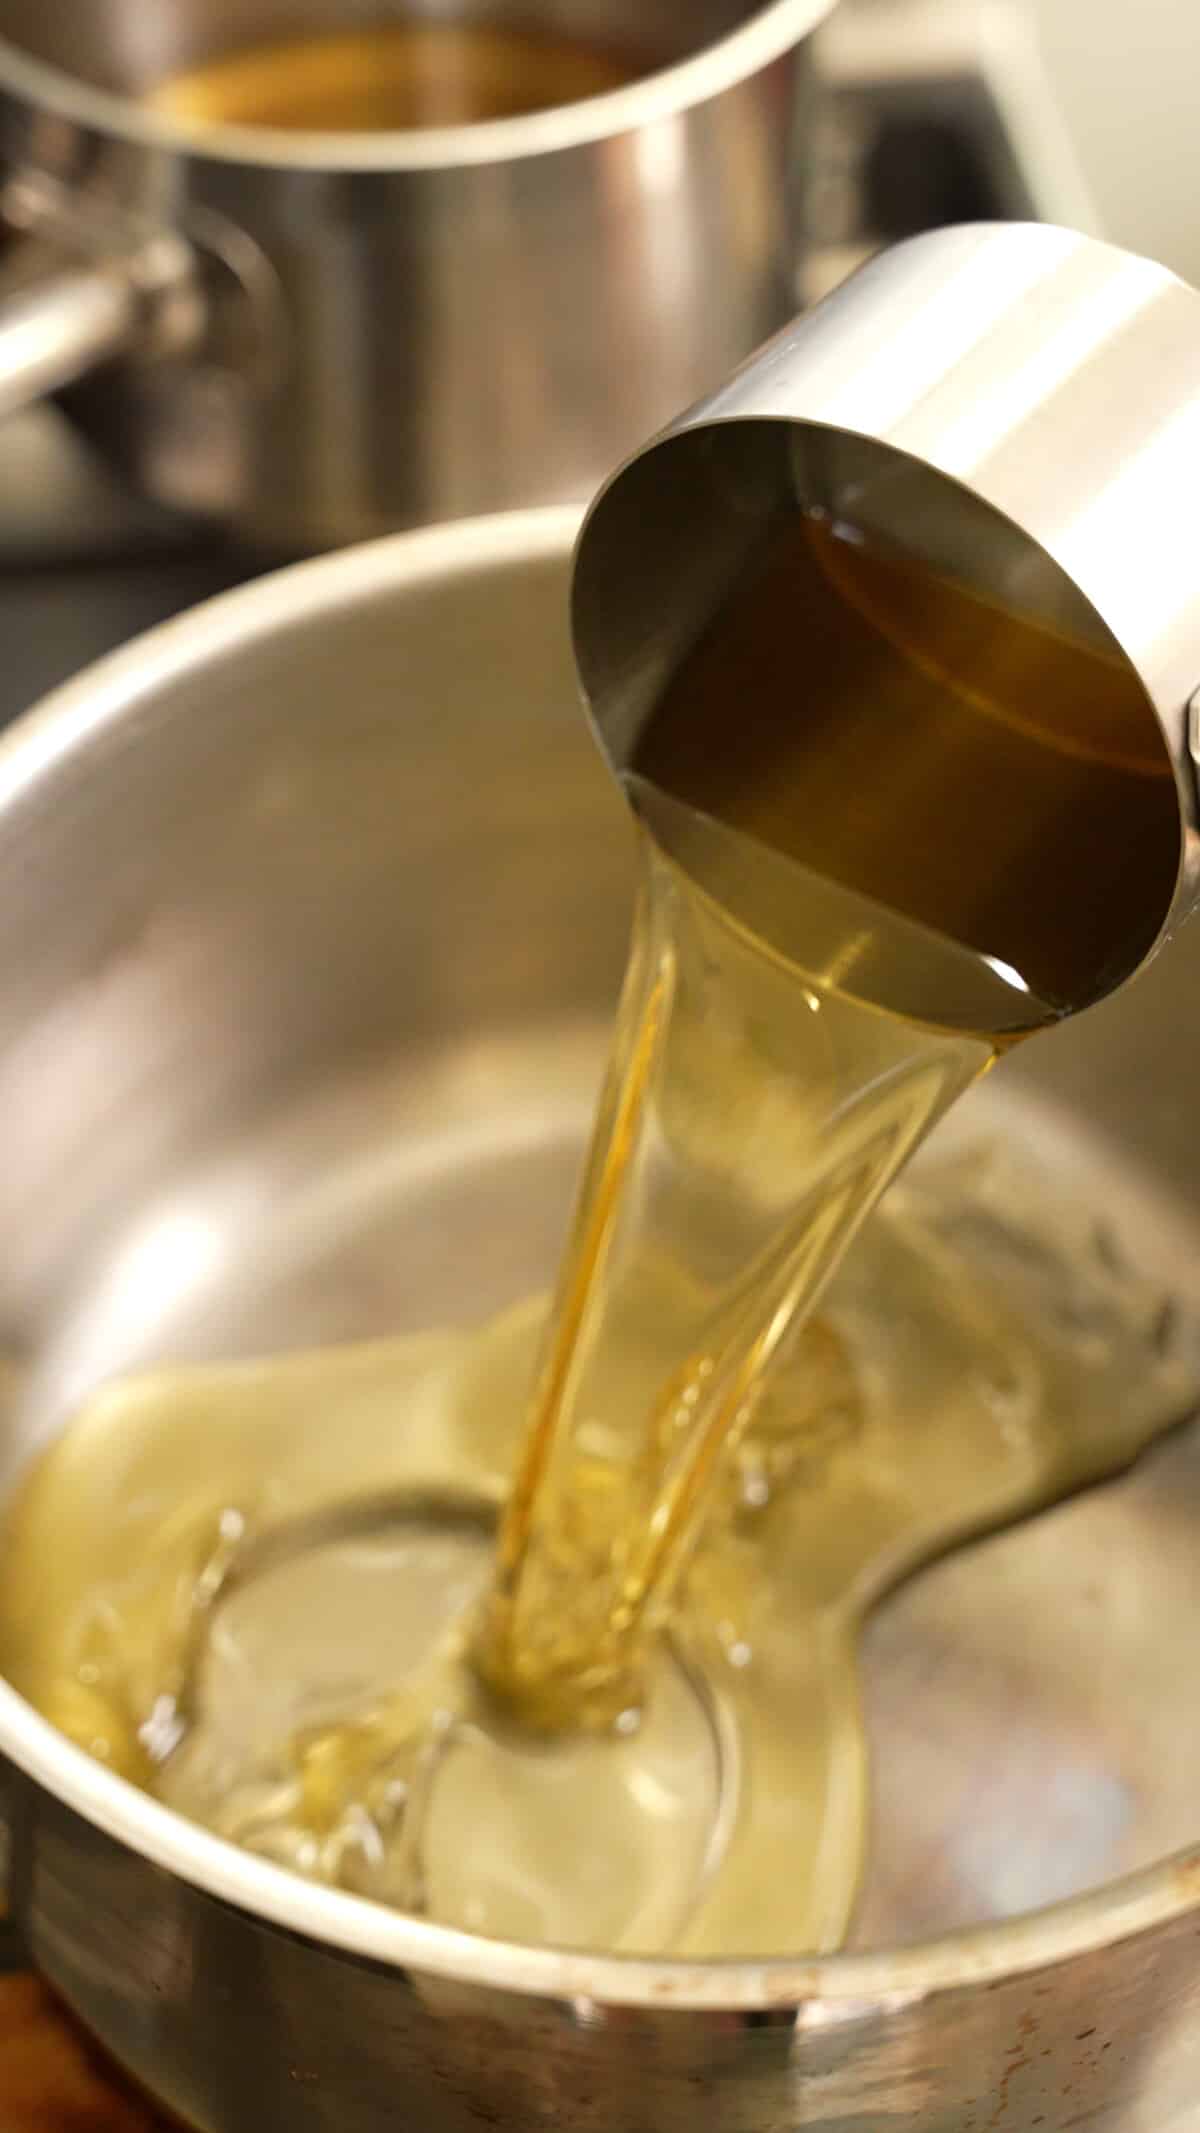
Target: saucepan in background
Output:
[(319, 335)]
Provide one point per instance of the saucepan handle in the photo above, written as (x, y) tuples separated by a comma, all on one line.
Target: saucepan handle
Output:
[(64, 315), (53, 332)]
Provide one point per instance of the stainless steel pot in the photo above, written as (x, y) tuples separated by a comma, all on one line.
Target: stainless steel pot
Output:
[(304, 979), (319, 336)]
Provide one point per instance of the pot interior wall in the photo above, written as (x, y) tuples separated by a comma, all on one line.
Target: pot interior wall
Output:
[(311, 921)]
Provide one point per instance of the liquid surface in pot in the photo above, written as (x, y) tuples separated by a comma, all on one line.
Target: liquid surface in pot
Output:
[(393, 78), (614, 1703)]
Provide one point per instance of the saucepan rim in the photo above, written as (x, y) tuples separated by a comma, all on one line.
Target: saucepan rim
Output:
[(816, 1990), (741, 53)]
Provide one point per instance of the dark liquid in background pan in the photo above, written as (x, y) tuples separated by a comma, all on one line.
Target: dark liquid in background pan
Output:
[(1000, 785), (394, 78)]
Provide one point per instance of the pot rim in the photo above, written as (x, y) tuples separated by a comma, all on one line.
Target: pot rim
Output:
[(821, 1990), (772, 31)]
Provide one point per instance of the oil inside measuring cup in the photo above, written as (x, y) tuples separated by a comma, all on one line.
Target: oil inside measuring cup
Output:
[(997, 782)]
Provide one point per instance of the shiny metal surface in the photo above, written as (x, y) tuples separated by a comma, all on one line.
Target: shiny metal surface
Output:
[(1014, 406), (927, 112), (51, 336), (406, 327), (304, 981)]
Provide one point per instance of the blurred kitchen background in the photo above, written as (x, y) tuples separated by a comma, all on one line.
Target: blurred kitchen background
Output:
[(1126, 77)]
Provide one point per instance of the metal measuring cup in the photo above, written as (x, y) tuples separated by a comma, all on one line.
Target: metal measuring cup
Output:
[(1011, 415)]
